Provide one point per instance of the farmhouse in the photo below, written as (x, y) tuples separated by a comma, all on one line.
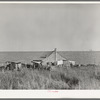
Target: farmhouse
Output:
[(54, 58)]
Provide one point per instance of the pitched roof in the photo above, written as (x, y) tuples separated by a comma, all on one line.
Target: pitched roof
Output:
[(54, 56)]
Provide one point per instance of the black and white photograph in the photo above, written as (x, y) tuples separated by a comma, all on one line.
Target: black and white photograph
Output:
[(49, 46)]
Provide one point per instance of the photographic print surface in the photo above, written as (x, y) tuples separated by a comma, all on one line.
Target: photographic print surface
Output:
[(49, 46)]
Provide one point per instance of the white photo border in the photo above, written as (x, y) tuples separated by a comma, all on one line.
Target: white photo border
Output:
[(49, 93)]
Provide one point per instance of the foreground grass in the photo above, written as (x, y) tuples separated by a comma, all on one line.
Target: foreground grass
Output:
[(36, 79), (60, 78)]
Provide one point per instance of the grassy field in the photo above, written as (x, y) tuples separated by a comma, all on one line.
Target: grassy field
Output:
[(87, 77)]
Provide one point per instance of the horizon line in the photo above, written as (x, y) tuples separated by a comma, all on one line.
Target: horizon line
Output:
[(53, 50)]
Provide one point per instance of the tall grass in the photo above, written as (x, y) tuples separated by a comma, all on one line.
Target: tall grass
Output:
[(35, 79), (61, 78)]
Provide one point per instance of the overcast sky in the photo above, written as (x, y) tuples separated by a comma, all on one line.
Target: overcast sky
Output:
[(32, 27)]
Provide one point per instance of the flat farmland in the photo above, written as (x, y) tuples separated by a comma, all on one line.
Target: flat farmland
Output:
[(85, 77), (81, 57)]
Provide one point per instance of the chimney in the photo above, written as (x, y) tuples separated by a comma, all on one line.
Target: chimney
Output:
[(55, 54)]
